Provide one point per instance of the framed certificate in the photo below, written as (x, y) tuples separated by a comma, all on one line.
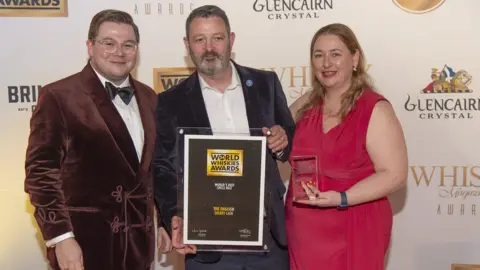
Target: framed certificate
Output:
[(223, 196)]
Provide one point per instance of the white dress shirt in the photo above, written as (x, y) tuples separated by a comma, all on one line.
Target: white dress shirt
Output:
[(131, 117), (226, 111)]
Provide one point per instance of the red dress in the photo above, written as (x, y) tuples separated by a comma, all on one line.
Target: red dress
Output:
[(327, 238)]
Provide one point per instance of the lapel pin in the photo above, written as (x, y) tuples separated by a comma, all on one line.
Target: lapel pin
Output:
[(249, 83)]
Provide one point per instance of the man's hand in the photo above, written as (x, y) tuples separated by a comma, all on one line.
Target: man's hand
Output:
[(163, 241), (69, 255), (277, 138), (177, 237)]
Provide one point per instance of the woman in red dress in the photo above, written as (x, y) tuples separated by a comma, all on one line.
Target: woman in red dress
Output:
[(346, 221)]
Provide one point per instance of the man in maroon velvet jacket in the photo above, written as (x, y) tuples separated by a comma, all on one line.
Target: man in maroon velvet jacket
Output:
[(88, 164)]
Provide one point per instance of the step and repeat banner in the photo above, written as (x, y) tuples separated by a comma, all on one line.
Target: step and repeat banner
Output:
[(424, 56)]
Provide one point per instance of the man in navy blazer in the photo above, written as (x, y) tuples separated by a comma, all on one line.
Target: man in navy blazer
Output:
[(223, 97)]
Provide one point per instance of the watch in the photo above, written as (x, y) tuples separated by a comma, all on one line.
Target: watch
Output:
[(343, 201)]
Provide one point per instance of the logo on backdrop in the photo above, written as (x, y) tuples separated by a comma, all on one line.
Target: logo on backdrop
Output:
[(418, 6), (447, 96), (23, 96), (457, 187), (292, 9), (166, 78), (162, 8), (33, 8), (296, 80), (462, 266)]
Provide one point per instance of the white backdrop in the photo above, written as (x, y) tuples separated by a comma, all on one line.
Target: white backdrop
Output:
[(436, 219)]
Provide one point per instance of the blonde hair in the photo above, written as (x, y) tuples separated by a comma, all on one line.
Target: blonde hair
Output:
[(360, 78)]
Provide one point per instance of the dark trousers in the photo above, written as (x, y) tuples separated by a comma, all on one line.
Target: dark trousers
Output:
[(276, 259)]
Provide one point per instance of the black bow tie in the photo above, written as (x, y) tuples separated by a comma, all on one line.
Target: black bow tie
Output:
[(125, 93)]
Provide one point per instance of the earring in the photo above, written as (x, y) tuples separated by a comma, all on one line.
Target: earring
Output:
[(354, 68)]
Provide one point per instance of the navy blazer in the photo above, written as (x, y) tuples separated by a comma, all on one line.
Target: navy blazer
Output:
[(183, 106)]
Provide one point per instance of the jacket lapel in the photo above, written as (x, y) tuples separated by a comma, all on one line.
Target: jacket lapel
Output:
[(147, 114), (250, 94), (110, 115), (197, 105)]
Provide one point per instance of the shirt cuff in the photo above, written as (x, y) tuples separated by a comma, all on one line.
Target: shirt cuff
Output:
[(279, 154), (58, 239)]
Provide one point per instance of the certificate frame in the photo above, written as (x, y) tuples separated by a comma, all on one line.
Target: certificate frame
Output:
[(246, 238)]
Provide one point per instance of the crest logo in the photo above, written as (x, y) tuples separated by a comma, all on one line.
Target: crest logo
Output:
[(443, 101), (448, 81), (418, 6)]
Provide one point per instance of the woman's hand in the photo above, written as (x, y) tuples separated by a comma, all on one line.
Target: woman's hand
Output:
[(321, 199)]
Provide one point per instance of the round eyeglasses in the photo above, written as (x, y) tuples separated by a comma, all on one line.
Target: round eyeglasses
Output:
[(111, 46)]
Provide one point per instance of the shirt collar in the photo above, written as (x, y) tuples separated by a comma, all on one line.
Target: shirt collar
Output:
[(235, 80), (125, 83)]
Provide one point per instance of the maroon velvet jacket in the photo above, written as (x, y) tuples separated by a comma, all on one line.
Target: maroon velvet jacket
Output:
[(83, 174)]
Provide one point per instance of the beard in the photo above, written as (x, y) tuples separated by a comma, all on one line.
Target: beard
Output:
[(211, 63)]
